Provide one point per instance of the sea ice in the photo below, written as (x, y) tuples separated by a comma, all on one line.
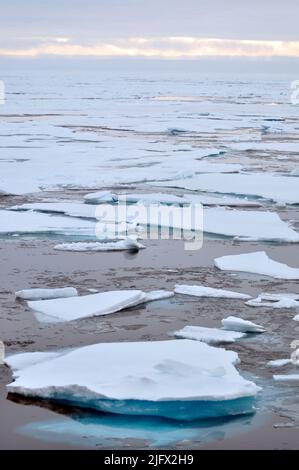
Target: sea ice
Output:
[(283, 300), (100, 197), (238, 324), (128, 243), (256, 263), (179, 379), (279, 363), (103, 303), (43, 294), (208, 335), (203, 291)]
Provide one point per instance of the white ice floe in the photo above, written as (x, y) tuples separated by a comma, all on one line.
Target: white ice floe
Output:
[(255, 225), (277, 188), (256, 263), (276, 363), (43, 294), (203, 291), (103, 303), (128, 243), (286, 378), (208, 335), (31, 222), (70, 208), (153, 198), (179, 378), (221, 201), (238, 324), (283, 300), (100, 197)]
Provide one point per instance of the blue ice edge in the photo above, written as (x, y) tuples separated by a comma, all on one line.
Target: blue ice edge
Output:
[(176, 410)]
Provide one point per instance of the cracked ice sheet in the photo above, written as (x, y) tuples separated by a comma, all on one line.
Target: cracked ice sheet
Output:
[(256, 263), (103, 303), (268, 186), (203, 291), (120, 377), (208, 335)]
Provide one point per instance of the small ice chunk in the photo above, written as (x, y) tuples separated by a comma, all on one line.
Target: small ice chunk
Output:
[(2, 352), (287, 378), (154, 198), (203, 291), (128, 243), (275, 301), (238, 324), (43, 294), (100, 197), (257, 263), (279, 363), (103, 303), (208, 335)]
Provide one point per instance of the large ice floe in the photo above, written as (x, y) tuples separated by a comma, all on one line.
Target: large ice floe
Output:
[(178, 379), (128, 244), (203, 291), (233, 323), (267, 186), (103, 303), (283, 300), (208, 335), (256, 263), (39, 294)]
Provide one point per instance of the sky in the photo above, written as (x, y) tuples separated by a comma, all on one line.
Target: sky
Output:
[(163, 29)]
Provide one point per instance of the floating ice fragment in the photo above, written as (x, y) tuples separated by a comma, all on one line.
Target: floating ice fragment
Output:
[(103, 303), (100, 197), (238, 324), (43, 294), (203, 291), (208, 335), (279, 363), (179, 379), (128, 243), (287, 378), (283, 300), (256, 263)]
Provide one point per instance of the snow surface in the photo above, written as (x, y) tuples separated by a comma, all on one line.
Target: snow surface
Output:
[(208, 335), (256, 263), (203, 291), (38, 294), (238, 324), (130, 377), (103, 303)]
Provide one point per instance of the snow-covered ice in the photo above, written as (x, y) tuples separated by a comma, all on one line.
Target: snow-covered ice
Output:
[(276, 363), (179, 379), (100, 197), (203, 291), (208, 335), (103, 303), (43, 294), (233, 323), (256, 263)]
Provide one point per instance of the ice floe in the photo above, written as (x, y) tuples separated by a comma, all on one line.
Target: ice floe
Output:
[(31, 222), (268, 186), (203, 291), (128, 243), (283, 300), (233, 323), (286, 378), (103, 303), (100, 197), (276, 363), (179, 379), (256, 263), (208, 335), (43, 294)]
